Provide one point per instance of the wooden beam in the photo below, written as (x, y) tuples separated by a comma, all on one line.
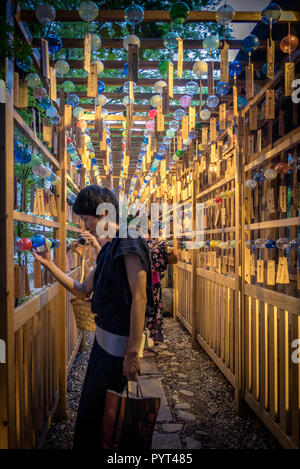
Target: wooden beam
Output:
[(153, 16), (25, 217), (28, 132), (7, 362), (146, 43)]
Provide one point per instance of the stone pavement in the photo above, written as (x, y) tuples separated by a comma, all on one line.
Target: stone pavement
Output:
[(167, 431)]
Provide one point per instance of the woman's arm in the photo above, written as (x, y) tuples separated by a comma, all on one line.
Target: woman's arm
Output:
[(81, 290), (137, 282)]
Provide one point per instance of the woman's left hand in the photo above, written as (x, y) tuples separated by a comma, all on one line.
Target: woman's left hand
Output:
[(132, 366)]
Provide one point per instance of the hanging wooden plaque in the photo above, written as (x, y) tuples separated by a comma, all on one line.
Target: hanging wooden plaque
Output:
[(179, 141), (234, 97), (270, 104), (260, 271), (222, 116), (133, 62), (55, 143), (98, 114), (170, 79), (23, 94), (210, 78), (131, 95), (180, 57), (249, 73), (204, 136), (16, 89), (253, 118), (53, 93), (192, 118), (160, 121), (213, 129), (185, 127), (165, 101), (92, 89), (224, 63), (282, 271), (271, 272), (87, 52), (270, 58), (45, 59), (282, 198), (52, 206), (213, 154), (289, 77), (67, 116)]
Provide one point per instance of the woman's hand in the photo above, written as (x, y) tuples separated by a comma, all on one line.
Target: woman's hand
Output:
[(78, 248), (132, 366), (44, 257), (92, 239)]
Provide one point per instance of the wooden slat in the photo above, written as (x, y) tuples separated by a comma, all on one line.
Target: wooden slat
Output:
[(153, 16), (294, 221), (284, 358), (20, 216), (215, 277), (28, 132), (274, 298)]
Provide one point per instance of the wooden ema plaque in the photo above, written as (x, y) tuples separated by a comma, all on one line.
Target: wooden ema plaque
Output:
[(23, 94), (133, 63), (270, 104), (53, 93), (165, 101), (92, 90), (224, 63), (289, 76), (87, 52), (45, 59), (180, 57), (249, 73), (210, 78)]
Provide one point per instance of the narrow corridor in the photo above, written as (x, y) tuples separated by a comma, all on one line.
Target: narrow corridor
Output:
[(197, 409)]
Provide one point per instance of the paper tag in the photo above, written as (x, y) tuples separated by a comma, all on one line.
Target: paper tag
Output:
[(270, 58), (192, 118), (67, 116), (234, 97), (282, 198), (222, 116), (213, 129), (253, 118), (270, 200), (53, 93), (185, 127), (165, 101), (210, 78), (92, 90), (180, 57), (270, 104), (204, 135), (218, 266), (16, 89), (179, 141), (249, 74), (289, 77), (23, 94), (52, 206), (160, 120), (252, 264), (271, 272), (87, 52), (260, 271), (133, 62), (282, 271), (224, 63), (170, 79)]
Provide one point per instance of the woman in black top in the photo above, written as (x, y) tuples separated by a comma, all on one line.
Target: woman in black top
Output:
[(122, 289)]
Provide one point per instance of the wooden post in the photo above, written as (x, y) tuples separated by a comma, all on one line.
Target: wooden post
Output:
[(7, 369), (194, 265), (61, 233)]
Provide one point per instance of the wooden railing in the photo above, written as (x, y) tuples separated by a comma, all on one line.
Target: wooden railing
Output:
[(36, 362)]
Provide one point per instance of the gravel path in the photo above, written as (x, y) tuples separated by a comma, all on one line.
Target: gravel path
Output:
[(199, 397)]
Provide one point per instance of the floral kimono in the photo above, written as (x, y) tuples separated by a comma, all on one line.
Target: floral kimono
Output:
[(154, 320)]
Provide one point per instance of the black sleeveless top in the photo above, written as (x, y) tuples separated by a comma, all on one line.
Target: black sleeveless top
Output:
[(111, 301)]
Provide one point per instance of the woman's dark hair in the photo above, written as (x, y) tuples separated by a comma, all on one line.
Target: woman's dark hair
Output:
[(90, 197)]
